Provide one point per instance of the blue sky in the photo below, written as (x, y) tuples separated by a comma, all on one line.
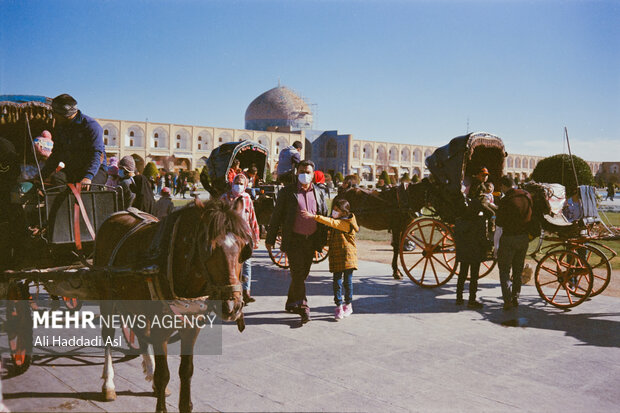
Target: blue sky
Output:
[(400, 71)]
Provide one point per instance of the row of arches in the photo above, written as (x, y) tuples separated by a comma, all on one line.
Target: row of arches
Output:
[(382, 154), (182, 139), (521, 162)]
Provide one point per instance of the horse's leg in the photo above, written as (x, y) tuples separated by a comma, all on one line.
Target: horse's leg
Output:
[(148, 361), (161, 377), (108, 389), (186, 369), (396, 233)]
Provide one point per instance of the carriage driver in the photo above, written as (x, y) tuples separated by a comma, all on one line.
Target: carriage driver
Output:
[(78, 143)]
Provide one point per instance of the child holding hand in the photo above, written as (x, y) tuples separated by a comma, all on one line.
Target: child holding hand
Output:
[(342, 253)]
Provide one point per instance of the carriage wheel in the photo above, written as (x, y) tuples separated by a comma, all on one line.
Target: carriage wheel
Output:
[(72, 304), (320, 256), (601, 268), (431, 262), (131, 338), (19, 330), (563, 278), (486, 267), (598, 260), (278, 256)]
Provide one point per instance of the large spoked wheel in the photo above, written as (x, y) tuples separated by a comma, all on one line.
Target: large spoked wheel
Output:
[(19, 330), (320, 256), (430, 263), (72, 304), (486, 267), (278, 256), (563, 278), (599, 262)]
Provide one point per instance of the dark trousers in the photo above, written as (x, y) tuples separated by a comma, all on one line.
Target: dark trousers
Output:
[(348, 286), (474, 271), (511, 255), (300, 253)]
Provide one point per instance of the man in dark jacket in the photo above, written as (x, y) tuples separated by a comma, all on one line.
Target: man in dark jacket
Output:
[(301, 237), (513, 214), (78, 143)]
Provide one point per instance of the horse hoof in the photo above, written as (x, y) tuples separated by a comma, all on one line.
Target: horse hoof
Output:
[(109, 395)]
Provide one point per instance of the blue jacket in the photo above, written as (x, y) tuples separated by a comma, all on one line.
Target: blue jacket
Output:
[(79, 144)]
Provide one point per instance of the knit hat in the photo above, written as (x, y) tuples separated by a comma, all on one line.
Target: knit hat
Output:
[(43, 146), (165, 191), (127, 163)]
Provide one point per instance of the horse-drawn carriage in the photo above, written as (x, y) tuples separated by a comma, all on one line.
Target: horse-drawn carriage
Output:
[(574, 266), (214, 180), (44, 231), (422, 219)]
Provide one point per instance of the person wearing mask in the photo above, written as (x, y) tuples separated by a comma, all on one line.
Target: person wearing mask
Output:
[(513, 214), (301, 237), (78, 143), (232, 197), (137, 190), (288, 160), (342, 253)]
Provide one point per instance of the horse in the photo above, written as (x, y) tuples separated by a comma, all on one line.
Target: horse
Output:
[(201, 251), (392, 209), (263, 207)]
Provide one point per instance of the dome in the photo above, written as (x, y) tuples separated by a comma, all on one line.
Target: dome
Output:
[(279, 106)]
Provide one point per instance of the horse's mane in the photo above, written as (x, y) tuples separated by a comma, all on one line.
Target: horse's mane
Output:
[(220, 218)]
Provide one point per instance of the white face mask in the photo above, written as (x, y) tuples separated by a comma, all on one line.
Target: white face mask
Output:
[(238, 189), (335, 214), (305, 179)]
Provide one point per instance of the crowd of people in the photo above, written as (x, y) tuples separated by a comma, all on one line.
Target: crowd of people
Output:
[(301, 216)]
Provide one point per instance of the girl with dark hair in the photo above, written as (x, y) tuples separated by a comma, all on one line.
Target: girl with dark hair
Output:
[(342, 253)]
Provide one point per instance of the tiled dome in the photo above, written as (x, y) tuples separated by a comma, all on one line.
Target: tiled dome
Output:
[(279, 106)]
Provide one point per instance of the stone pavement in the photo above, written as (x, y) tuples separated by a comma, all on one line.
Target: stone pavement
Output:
[(404, 349)]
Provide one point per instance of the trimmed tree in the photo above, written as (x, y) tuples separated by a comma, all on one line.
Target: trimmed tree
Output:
[(150, 170), (415, 179), (558, 169), (386, 178), (338, 177), (405, 176)]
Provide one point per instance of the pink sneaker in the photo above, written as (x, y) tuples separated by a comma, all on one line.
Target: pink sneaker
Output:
[(338, 313), (347, 310)]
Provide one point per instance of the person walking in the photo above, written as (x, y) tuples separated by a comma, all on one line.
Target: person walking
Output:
[(137, 190), (301, 237), (513, 214), (232, 197), (164, 205), (342, 253), (611, 191), (471, 247)]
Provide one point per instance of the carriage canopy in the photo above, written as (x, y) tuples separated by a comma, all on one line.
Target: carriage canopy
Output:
[(221, 159), (464, 156)]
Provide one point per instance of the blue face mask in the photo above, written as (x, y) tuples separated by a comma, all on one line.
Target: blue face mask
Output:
[(121, 173)]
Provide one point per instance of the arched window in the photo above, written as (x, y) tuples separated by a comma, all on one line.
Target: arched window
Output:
[(509, 162), (131, 134), (105, 132), (331, 149), (356, 151), (417, 155), (518, 163), (200, 139)]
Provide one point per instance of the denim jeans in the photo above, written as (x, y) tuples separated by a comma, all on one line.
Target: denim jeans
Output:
[(348, 287), (246, 274), (511, 255)]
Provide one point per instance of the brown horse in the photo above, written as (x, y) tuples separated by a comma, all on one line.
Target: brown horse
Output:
[(200, 253), (392, 209)]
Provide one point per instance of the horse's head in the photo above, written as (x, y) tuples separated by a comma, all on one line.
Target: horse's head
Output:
[(223, 243)]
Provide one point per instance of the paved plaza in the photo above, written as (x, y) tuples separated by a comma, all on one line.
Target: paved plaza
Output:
[(404, 349)]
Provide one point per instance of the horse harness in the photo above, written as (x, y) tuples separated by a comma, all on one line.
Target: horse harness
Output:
[(161, 252)]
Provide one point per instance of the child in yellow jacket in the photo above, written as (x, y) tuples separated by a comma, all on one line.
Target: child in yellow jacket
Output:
[(342, 253)]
